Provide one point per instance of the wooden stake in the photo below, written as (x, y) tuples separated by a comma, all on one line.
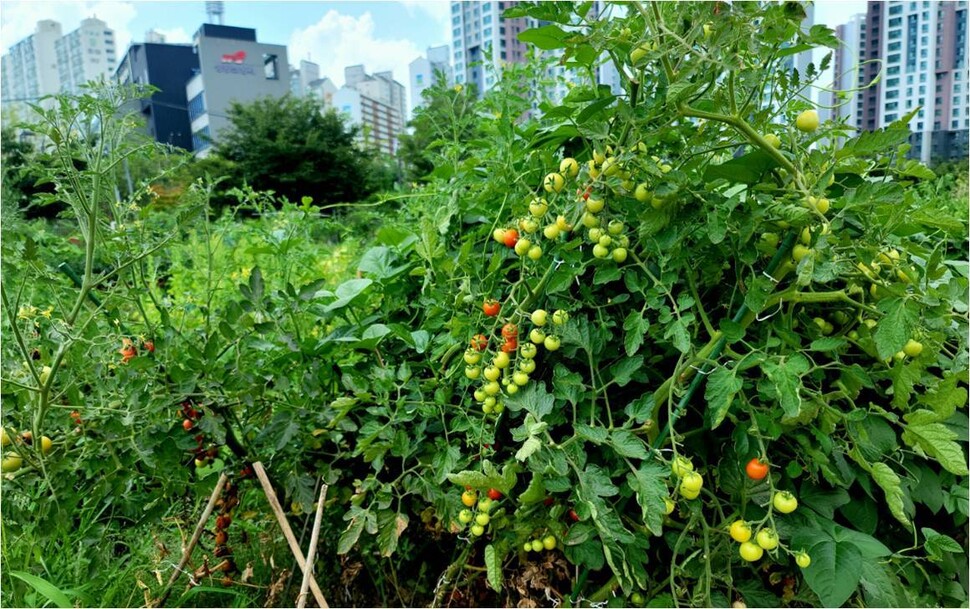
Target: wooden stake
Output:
[(274, 503), (312, 550), (216, 492)]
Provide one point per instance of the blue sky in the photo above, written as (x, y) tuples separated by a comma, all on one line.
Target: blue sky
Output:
[(381, 35)]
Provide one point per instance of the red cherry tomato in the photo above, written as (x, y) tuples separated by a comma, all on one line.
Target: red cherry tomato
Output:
[(511, 237), (511, 346), (491, 307), (573, 516), (479, 342), (494, 494), (756, 469), (187, 425), (149, 346), (510, 331)]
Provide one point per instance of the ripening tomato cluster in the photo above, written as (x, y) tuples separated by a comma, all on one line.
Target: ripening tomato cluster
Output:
[(129, 351), (766, 538), (547, 542), (508, 368), (478, 520), (226, 504), (190, 416)]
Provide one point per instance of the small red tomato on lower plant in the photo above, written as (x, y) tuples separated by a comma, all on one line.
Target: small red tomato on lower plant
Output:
[(511, 237), (756, 469), (548, 501), (127, 351), (510, 346), (187, 425), (491, 307), (479, 342), (510, 330), (494, 494), (573, 516), (149, 346)]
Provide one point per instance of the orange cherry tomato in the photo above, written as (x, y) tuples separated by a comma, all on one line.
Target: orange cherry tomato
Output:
[(756, 469)]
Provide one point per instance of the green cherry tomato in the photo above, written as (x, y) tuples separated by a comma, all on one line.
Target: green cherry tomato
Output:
[(691, 482), (478, 530), (767, 538), (669, 506), (537, 545), (465, 516), (784, 502), (802, 559), (740, 531), (527, 365), (537, 336), (549, 542), (539, 317), (560, 317), (680, 466), (750, 551), (482, 519), (552, 343), (528, 351)]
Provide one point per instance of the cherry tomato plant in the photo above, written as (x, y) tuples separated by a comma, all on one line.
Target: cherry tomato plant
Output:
[(574, 352)]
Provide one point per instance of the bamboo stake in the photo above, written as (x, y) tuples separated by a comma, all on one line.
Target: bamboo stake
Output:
[(274, 503), (312, 550), (216, 492)]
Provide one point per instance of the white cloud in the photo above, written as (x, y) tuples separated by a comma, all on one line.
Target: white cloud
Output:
[(439, 10), (338, 41), (176, 35), (19, 19)]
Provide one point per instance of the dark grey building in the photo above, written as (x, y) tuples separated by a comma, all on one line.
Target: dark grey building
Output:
[(166, 67)]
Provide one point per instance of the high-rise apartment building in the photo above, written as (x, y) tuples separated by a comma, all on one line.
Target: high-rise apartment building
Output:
[(920, 51), (88, 53), (29, 70), (847, 69), (233, 67), (374, 102), (423, 70), (482, 37)]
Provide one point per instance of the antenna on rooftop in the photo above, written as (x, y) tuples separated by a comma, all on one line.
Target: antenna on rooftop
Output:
[(214, 9)]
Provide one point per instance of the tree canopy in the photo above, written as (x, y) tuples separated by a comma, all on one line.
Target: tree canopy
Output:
[(292, 146)]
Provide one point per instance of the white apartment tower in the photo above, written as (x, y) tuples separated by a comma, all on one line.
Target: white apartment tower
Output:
[(88, 53), (847, 74), (374, 102), (29, 70), (422, 72), (478, 29)]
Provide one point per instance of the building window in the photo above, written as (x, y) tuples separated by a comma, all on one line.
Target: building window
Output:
[(486, 19), (955, 125), (269, 67), (197, 106), (201, 139)]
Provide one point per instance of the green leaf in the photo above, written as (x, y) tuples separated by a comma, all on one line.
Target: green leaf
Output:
[(348, 539), (346, 292), (678, 335), (787, 383), (649, 483), (535, 492), (44, 587), (877, 585), (491, 478), (887, 479), (759, 291), (493, 567), (835, 570), (547, 37), (596, 435), (937, 544), (872, 142), (531, 445), (597, 482), (895, 328), (628, 445), (623, 371), (635, 327), (827, 344), (937, 441), (747, 169), (390, 525), (722, 386)]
